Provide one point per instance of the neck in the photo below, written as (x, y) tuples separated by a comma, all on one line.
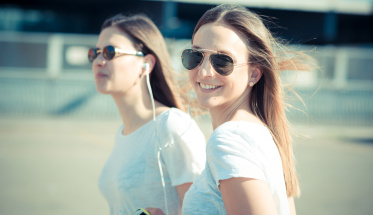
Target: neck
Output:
[(136, 109), (238, 110)]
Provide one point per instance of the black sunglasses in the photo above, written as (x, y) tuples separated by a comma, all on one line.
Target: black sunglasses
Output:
[(110, 52), (222, 63)]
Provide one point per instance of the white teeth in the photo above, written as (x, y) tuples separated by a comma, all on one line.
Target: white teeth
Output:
[(208, 86)]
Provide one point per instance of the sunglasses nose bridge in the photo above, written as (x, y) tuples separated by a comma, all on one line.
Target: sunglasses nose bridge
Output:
[(99, 59), (205, 68), (100, 55)]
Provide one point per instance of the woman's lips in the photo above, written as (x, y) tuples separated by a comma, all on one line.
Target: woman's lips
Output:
[(208, 87), (101, 75)]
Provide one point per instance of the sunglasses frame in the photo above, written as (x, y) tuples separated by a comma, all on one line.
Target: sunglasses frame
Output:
[(117, 53), (203, 51)]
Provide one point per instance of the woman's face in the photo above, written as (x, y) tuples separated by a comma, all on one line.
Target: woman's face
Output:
[(121, 75), (214, 90)]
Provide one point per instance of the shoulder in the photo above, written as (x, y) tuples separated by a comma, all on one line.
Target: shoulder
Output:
[(235, 150), (241, 129), (174, 119), (176, 122), (119, 131), (240, 135)]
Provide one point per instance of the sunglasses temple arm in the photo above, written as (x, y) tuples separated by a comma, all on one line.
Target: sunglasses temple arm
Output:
[(140, 54), (136, 53)]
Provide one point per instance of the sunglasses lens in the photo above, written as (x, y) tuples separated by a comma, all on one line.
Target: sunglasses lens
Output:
[(223, 64), (191, 58), (109, 52), (92, 54)]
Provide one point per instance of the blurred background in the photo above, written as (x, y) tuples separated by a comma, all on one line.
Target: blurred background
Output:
[(56, 131)]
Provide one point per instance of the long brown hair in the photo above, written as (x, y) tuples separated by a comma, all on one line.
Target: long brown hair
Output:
[(267, 96), (149, 40)]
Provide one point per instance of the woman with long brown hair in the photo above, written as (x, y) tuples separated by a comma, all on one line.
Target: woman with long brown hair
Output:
[(159, 149), (234, 66)]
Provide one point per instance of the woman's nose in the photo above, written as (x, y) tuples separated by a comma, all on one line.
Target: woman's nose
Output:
[(206, 69), (99, 60)]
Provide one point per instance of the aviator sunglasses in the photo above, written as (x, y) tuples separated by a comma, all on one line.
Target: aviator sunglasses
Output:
[(222, 63), (110, 52)]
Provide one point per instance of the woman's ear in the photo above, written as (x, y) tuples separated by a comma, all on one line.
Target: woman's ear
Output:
[(255, 75), (149, 63)]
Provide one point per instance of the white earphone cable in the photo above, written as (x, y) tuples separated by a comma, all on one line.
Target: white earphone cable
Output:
[(149, 88), (146, 65)]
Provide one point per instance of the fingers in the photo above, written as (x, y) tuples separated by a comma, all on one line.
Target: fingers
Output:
[(155, 211)]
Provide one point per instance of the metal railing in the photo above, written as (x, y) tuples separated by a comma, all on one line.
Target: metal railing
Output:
[(49, 74)]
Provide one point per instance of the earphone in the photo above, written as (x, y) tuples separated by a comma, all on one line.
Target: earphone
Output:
[(146, 66)]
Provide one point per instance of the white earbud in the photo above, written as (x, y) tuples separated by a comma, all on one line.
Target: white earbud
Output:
[(146, 66)]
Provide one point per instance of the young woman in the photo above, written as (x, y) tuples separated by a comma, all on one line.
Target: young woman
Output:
[(159, 149), (234, 70)]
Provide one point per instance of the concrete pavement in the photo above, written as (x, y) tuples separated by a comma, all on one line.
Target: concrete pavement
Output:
[(51, 166)]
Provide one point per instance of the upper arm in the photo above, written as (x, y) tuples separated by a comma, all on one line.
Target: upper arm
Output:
[(181, 190), (292, 206), (247, 196)]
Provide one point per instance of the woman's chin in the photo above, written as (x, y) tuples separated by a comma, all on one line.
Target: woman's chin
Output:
[(205, 104), (103, 91)]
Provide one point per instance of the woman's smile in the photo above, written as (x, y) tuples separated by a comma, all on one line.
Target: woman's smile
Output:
[(208, 87)]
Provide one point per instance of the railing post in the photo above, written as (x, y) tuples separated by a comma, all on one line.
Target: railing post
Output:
[(341, 68), (54, 56)]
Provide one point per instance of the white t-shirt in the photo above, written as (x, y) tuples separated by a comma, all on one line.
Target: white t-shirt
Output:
[(237, 149), (131, 177)]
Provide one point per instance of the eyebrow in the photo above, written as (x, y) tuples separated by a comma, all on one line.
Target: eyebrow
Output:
[(196, 47), (214, 51)]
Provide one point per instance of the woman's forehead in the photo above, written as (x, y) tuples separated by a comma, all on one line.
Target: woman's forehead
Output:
[(114, 36), (220, 38)]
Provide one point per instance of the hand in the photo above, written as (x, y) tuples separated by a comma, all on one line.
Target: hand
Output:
[(155, 211)]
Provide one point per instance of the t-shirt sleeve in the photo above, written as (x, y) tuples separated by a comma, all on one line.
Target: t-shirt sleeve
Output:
[(184, 158), (229, 155)]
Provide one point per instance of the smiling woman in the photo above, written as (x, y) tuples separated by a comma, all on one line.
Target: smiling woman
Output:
[(217, 90), (234, 70)]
